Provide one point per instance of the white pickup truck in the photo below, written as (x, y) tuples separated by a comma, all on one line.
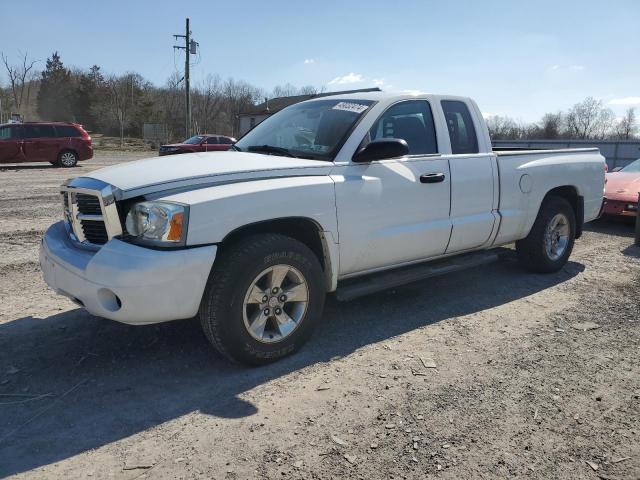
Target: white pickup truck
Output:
[(347, 194)]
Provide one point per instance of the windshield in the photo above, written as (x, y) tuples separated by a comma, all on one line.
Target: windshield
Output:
[(315, 129), (632, 167), (194, 140)]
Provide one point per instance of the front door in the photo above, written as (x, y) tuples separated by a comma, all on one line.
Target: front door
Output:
[(10, 144), (395, 211)]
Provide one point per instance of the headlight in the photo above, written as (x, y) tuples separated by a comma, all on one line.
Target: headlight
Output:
[(158, 223)]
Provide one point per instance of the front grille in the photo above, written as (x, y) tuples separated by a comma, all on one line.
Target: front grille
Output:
[(88, 204), (94, 231), (90, 211)]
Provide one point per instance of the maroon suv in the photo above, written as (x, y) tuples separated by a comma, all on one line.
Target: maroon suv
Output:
[(199, 143), (62, 144)]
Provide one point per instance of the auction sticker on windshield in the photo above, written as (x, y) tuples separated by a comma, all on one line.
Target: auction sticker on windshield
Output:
[(350, 107)]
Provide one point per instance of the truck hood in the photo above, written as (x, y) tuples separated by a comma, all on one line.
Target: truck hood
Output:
[(622, 186), (159, 174)]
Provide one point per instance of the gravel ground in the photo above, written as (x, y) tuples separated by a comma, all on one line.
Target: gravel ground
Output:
[(489, 373)]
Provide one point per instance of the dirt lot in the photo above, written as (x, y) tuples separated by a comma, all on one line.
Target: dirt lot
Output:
[(519, 388)]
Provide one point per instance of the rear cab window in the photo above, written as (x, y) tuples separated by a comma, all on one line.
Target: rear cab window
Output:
[(462, 133), (411, 121)]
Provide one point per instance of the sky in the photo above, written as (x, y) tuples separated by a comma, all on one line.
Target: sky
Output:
[(515, 58)]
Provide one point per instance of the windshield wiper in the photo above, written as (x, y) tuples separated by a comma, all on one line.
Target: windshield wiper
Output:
[(270, 149), (237, 149)]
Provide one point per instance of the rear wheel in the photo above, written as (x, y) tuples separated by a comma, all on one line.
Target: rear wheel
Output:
[(263, 299), (67, 159), (549, 244)]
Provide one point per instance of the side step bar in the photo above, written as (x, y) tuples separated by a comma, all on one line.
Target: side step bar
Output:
[(375, 282)]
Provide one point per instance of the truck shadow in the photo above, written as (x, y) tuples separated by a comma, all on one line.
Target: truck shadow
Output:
[(109, 381)]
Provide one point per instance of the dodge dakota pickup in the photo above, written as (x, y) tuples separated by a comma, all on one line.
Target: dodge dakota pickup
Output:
[(347, 194)]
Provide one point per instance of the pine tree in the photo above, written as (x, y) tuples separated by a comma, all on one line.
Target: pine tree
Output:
[(55, 91), (85, 97)]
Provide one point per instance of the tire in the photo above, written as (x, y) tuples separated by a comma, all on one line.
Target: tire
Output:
[(547, 247), (67, 159), (232, 311)]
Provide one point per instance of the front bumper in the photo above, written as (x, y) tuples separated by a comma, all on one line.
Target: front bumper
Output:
[(620, 207), (125, 282)]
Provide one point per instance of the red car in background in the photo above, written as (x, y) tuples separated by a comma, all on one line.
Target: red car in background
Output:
[(621, 190), (61, 144), (199, 143)]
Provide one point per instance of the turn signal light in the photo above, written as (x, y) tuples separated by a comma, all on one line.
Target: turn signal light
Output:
[(175, 227)]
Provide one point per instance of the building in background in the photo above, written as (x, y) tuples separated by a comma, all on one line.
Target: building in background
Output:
[(251, 117)]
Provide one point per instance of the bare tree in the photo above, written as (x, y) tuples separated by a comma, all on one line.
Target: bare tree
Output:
[(120, 99), (20, 80), (207, 103), (286, 90), (238, 95), (551, 126), (627, 128), (589, 119), (170, 101), (504, 128)]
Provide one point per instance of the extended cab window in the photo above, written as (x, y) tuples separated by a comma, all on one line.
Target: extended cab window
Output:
[(411, 121), (462, 133)]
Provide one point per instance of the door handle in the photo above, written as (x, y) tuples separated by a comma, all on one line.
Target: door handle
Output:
[(432, 178)]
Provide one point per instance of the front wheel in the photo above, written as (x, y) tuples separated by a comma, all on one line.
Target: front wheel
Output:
[(547, 247), (263, 299)]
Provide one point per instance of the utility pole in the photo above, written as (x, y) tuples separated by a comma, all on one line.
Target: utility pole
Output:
[(189, 48)]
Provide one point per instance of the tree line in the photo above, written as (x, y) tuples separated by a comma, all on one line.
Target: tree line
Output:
[(586, 120), (119, 105)]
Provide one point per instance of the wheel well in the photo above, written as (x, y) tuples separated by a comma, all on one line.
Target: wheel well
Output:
[(67, 150), (570, 194), (302, 229)]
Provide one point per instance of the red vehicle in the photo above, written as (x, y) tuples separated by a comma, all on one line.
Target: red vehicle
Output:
[(621, 190), (199, 143), (58, 143)]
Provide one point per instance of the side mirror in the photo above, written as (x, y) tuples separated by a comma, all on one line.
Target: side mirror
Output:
[(381, 149), (617, 169)]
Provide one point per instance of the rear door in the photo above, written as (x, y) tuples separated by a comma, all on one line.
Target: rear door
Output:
[(215, 144), (473, 180), (11, 144), (395, 211), (40, 143)]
